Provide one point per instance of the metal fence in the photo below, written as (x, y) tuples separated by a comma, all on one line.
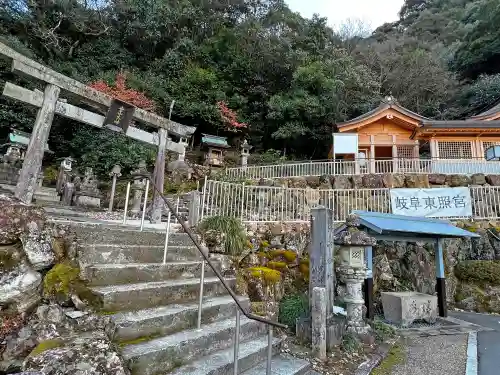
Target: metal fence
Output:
[(366, 166), (277, 204)]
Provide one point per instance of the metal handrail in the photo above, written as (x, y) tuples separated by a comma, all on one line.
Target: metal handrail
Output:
[(204, 252)]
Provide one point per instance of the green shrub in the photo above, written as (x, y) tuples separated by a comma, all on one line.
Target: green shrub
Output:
[(479, 271), (291, 308), (351, 343), (229, 229), (382, 331)]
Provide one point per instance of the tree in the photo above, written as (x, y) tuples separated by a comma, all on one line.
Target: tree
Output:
[(121, 92)]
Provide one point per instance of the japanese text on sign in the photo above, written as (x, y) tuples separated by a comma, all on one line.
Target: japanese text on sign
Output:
[(446, 202)]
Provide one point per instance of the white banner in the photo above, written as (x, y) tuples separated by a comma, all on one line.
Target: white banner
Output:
[(442, 202)]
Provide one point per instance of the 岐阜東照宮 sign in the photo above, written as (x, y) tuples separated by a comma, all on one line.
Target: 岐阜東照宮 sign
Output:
[(440, 202)]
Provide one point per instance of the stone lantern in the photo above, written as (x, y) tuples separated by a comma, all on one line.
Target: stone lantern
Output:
[(352, 271), (245, 153), (138, 186)]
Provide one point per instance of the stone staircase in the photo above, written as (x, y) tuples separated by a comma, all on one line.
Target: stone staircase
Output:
[(154, 307)]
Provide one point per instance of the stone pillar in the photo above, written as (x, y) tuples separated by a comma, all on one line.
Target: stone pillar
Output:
[(194, 208), (115, 173), (369, 282), (321, 255), (26, 184), (245, 152), (352, 271), (159, 177), (318, 322)]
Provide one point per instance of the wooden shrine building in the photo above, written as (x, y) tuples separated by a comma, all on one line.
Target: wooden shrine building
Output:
[(391, 131)]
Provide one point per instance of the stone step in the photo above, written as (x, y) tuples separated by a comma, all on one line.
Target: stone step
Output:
[(166, 320), (131, 273), (123, 254), (46, 192), (143, 295), (116, 234), (250, 354), (46, 198), (161, 355), (283, 364)]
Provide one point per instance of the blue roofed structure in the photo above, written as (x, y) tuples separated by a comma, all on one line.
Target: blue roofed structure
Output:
[(389, 225)]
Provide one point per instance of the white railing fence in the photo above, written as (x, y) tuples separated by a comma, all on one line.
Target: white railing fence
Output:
[(366, 166), (253, 203)]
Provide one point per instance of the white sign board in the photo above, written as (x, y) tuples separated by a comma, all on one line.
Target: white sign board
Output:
[(445, 202), (345, 144)]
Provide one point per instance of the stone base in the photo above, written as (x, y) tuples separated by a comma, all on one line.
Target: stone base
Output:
[(87, 201), (335, 329), (403, 308)]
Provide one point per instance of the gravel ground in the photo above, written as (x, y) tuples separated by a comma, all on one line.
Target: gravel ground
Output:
[(435, 355)]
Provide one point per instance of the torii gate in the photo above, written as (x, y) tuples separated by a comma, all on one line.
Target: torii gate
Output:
[(49, 103)]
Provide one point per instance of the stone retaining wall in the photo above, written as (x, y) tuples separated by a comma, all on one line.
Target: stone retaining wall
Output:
[(388, 180)]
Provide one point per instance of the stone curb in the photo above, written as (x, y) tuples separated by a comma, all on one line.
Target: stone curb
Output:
[(376, 358)]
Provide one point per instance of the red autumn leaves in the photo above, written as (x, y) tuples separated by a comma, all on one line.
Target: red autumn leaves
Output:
[(121, 92)]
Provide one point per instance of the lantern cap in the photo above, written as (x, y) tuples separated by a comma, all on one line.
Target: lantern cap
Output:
[(352, 235)]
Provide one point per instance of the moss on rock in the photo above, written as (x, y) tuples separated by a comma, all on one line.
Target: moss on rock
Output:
[(63, 280), (46, 345), (396, 356), (480, 272)]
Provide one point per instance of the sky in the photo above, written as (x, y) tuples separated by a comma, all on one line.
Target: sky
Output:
[(374, 12)]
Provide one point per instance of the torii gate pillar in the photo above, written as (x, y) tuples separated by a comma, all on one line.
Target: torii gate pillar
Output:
[(27, 182)]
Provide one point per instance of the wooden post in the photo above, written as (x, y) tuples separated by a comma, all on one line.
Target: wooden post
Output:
[(372, 154), (394, 154), (26, 185), (440, 280), (369, 283), (159, 177)]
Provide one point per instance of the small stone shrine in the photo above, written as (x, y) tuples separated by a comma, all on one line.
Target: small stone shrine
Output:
[(16, 144), (214, 147), (87, 193), (352, 272)]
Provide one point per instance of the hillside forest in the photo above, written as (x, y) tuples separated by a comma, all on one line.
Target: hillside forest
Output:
[(284, 78)]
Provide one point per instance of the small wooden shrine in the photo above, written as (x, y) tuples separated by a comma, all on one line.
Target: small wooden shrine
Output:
[(214, 148)]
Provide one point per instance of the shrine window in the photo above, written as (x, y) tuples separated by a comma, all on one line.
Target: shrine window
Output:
[(455, 150)]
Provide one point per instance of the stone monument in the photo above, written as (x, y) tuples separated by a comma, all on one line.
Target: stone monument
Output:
[(352, 272), (87, 193), (321, 279)]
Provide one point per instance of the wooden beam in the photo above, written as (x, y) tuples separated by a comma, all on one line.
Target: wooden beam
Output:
[(82, 115), (22, 64)]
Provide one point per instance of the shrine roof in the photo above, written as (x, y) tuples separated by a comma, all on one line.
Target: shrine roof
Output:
[(495, 110), (214, 140), (385, 106), (22, 138), (397, 226), (474, 127)]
